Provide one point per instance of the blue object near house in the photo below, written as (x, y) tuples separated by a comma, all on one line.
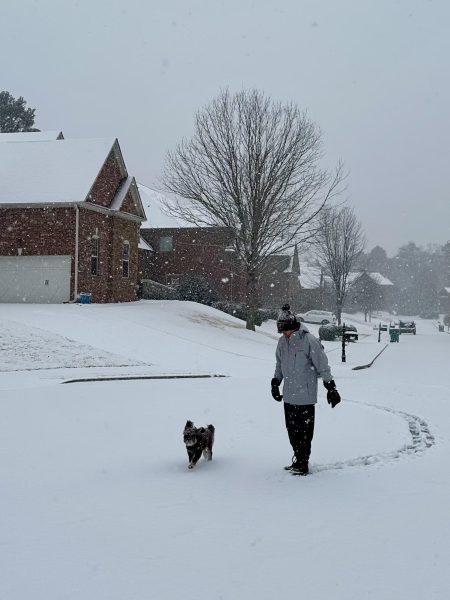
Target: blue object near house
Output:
[(85, 298)]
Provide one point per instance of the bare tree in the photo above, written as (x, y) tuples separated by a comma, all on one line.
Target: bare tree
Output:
[(338, 244), (252, 165)]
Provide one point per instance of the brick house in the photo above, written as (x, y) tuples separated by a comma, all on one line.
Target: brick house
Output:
[(201, 250), (315, 291), (70, 216), (280, 281), (180, 249)]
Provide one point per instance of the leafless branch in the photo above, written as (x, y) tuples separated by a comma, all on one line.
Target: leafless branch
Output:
[(339, 242), (252, 165)]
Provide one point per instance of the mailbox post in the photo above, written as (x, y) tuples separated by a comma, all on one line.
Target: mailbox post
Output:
[(344, 358)]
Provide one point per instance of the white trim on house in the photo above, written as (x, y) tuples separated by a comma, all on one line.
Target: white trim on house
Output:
[(87, 205), (128, 185)]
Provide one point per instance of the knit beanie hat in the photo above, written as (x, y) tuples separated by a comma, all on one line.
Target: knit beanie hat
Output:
[(287, 321)]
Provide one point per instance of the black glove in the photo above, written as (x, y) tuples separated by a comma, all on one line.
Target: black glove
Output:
[(275, 383), (333, 396)]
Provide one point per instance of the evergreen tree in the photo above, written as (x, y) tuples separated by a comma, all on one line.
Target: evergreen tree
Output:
[(14, 115), (418, 274), (377, 260)]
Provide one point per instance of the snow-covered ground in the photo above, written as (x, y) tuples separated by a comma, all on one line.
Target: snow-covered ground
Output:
[(97, 501)]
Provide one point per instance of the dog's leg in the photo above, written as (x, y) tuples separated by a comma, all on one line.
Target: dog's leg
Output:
[(207, 453), (195, 456)]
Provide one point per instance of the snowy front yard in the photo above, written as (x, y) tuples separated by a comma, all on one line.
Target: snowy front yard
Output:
[(97, 501)]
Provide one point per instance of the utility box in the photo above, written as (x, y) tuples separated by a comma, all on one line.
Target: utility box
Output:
[(85, 298)]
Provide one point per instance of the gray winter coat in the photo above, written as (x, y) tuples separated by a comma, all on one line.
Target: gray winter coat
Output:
[(300, 361)]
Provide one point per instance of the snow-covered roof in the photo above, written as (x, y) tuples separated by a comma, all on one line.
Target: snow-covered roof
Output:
[(310, 277), (155, 212), (32, 136), (50, 171), (380, 279)]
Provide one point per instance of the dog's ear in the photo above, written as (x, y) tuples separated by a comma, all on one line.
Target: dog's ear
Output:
[(189, 424)]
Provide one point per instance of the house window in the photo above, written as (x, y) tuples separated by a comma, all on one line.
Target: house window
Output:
[(94, 255), (166, 243), (125, 259)]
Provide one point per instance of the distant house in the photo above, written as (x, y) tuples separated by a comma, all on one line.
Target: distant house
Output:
[(444, 300), (280, 282), (367, 290), (315, 291), (145, 253), (181, 248), (370, 291), (70, 216)]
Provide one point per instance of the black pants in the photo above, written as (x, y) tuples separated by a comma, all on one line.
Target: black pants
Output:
[(300, 428)]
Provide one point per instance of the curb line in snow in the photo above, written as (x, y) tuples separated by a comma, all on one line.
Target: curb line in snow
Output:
[(130, 377), (358, 368)]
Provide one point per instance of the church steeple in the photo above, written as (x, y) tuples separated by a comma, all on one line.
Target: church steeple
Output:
[(295, 262)]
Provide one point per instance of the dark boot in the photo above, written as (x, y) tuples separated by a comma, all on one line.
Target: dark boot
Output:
[(291, 466), (300, 468)]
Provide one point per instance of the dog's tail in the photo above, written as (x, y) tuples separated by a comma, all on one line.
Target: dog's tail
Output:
[(212, 429)]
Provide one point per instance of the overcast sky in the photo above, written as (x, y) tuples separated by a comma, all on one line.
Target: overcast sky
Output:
[(374, 74)]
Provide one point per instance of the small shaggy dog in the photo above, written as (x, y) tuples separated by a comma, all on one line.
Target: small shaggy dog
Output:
[(198, 440)]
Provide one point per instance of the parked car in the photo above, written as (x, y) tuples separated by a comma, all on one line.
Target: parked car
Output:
[(318, 316), (407, 327)]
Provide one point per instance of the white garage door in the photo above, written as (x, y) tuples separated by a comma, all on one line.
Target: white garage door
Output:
[(38, 279)]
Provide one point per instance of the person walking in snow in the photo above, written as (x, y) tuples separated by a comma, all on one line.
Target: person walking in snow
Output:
[(300, 361)]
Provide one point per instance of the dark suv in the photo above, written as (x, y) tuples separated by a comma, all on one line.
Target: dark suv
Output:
[(407, 327)]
